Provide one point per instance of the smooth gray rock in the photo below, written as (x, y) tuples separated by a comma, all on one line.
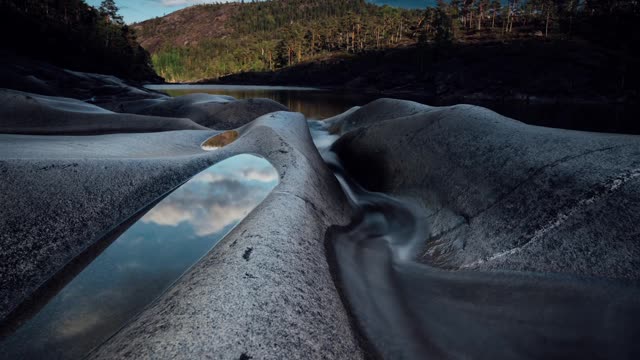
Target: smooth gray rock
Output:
[(500, 194), (288, 306), (214, 111), (67, 192), (25, 74), (25, 113), (374, 112), (111, 93)]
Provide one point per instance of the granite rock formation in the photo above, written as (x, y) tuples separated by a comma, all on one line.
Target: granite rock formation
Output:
[(71, 195), (499, 194)]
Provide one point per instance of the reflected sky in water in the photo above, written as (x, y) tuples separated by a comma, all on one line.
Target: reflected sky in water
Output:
[(144, 261)]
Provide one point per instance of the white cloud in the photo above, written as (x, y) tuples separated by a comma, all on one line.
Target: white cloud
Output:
[(167, 215), (209, 177), (78, 323), (217, 197), (251, 171), (263, 175), (204, 219), (220, 217)]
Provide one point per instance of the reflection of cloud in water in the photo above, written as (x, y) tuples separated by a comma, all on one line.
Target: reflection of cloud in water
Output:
[(209, 177), (144, 260), (85, 316), (263, 175), (168, 215), (98, 312), (228, 193), (215, 218), (132, 265), (254, 170), (78, 323)]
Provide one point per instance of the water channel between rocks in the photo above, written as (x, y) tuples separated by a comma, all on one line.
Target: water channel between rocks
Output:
[(144, 261), (410, 310)]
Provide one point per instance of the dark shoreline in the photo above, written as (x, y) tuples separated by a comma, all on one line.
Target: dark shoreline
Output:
[(567, 113), (534, 70)]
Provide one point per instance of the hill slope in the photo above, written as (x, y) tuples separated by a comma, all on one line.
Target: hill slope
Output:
[(209, 41), (187, 27)]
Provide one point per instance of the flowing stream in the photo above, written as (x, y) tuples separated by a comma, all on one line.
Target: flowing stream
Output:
[(409, 310)]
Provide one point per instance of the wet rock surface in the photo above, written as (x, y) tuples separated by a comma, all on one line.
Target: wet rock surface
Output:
[(25, 113), (28, 75), (413, 310), (494, 194), (218, 111), (499, 194), (261, 291), (109, 93), (70, 193)]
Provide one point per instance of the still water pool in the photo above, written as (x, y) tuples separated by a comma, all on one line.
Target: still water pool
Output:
[(144, 261), (321, 103)]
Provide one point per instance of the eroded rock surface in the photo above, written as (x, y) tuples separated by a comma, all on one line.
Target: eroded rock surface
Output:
[(25, 113), (28, 75), (500, 194), (111, 93), (496, 194), (264, 291), (216, 111), (261, 292)]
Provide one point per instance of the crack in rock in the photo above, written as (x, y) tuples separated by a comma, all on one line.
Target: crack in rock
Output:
[(562, 217), (535, 173)]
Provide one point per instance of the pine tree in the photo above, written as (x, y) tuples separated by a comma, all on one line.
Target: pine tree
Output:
[(109, 10), (283, 54), (442, 24)]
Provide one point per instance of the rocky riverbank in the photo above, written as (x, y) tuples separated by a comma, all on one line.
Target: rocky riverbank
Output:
[(500, 194), (70, 194), (508, 207), (531, 70)]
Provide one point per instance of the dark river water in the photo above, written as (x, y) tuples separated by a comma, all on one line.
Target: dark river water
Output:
[(320, 104), (144, 261)]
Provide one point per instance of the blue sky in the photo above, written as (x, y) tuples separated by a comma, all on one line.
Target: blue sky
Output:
[(139, 10)]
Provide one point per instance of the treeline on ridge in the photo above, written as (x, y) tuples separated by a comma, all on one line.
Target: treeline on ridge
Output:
[(74, 35), (274, 34), (279, 33)]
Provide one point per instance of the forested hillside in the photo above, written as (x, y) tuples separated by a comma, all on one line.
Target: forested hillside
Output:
[(74, 35), (209, 41)]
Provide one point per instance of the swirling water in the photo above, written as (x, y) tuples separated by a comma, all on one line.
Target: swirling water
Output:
[(409, 310)]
